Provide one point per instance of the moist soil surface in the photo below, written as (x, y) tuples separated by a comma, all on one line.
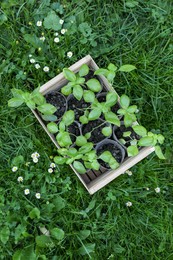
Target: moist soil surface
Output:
[(115, 151), (74, 131), (78, 106), (96, 127), (119, 134), (56, 99)]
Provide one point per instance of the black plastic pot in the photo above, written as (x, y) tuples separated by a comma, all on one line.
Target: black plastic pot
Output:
[(117, 151), (58, 100), (96, 127)]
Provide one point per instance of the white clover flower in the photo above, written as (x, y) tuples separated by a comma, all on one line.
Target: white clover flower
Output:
[(20, 179), (129, 173), (35, 160), (52, 165), (63, 31), (61, 21), (35, 155), (30, 55), (56, 34), (157, 190), (37, 66), (50, 170), (38, 195), (39, 23), (14, 169), (56, 39), (32, 60), (42, 38), (129, 204), (26, 191), (39, 49), (46, 69), (147, 188), (69, 54)]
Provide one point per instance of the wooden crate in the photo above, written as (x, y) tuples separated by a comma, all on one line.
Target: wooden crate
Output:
[(93, 180)]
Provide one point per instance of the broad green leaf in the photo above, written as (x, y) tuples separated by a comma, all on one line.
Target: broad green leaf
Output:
[(78, 92), (33, 40), (110, 76), (88, 96), (28, 253), (47, 109), (17, 93), (84, 69), (43, 241), (68, 117), (83, 119), (159, 153), (86, 249), (112, 67), (79, 167), (72, 152), (95, 165), (121, 111), (34, 213), (17, 160), (62, 126), (30, 104), (86, 148), (37, 97), (113, 163), (112, 118), (127, 68), (160, 138), (126, 134), (107, 131), (49, 117), (51, 21), (64, 139), (69, 75), (62, 151), (94, 85), (4, 234), (132, 109), (101, 72), (140, 130), (83, 234), (66, 90), (94, 114), (80, 81), (105, 156), (57, 233), (52, 127), (146, 141), (124, 101), (15, 102), (88, 135), (111, 99), (132, 150), (81, 140), (59, 160), (128, 120), (59, 203)]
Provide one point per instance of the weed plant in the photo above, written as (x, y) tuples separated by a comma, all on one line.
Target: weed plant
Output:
[(49, 215)]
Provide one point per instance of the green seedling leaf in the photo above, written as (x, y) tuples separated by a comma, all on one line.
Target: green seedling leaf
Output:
[(30, 104), (95, 165), (34, 213), (112, 118), (83, 119), (52, 127), (107, 131), (62, 151), (126, 134), (57, 233), (17, 93), (81, 140), (86, 148), (78, 92), (72, 152), (79, 167), (64, 139), (37, 97), (43, 241), (59, 160), (49, 117), (111, 99), (124, 101), (128, 120), (4, 234), (94, 114), (69, 75), (101, 72), (112, 67), (113, 163), (105, 156), (15, 102), (146, 141), (94, 85), (160, 138), (159, 153), (47, 109), (66, 90), (132, 150), (127, 68), (88, 96), (68, 117), (80, 81), (84, 70), (110, 76), (88, 135), (140, 130), (132, 109), (62, 126)]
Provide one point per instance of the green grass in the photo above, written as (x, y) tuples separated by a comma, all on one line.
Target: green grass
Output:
[(140, 35)]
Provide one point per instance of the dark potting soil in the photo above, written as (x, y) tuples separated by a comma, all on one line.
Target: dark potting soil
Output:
[(115, 151), (114, 109), (90, 75), (78, 106), (119, 134), (74, 131), (96, 127), (56, 99)]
